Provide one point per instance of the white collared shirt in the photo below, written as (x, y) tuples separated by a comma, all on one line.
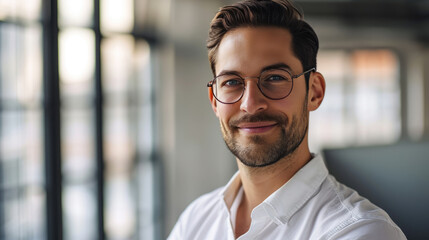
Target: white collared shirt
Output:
[(311, 205)]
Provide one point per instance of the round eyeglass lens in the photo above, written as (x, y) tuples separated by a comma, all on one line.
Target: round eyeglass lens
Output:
[(276, 83), (228, 88)]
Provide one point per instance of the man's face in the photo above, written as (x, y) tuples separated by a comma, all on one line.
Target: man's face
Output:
[(260, 131)]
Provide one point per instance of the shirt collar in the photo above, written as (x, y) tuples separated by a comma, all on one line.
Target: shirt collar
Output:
[(231, 189), (288, 199)]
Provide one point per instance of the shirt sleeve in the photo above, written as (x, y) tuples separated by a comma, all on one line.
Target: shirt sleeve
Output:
[(190, 221), (176, 233), (178, 230), (370, 230)]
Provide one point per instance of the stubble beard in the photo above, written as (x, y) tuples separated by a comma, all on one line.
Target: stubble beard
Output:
[(258, 153)]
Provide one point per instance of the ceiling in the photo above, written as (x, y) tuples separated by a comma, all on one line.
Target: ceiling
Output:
[(409, 15), (412, 16)]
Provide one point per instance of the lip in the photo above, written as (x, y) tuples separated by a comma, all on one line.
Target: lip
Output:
[(256, 127)]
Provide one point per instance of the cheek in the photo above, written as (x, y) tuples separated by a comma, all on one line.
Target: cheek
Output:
[(289, 106), (226, 111), (286, 105), (297, 97)]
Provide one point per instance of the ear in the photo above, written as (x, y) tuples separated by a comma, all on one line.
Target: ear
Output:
[(213, 101), (316, 91)]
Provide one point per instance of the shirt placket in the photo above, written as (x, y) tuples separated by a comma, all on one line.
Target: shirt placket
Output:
[(259, 221)]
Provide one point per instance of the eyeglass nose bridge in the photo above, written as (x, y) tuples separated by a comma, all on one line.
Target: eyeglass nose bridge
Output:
[(258, 78)]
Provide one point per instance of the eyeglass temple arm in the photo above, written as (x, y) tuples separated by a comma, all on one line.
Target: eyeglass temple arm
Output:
[(309, 70)]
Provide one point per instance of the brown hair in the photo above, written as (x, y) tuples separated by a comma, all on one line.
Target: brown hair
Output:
[(256, 13)]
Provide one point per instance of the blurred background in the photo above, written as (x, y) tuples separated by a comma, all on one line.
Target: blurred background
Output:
[(105, 127)]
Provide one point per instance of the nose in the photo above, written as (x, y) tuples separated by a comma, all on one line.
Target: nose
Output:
[(253, 100)]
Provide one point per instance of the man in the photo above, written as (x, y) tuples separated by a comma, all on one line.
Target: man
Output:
[(263, 57)]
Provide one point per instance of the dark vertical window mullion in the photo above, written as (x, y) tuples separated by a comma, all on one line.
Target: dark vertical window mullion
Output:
[(52, 129), (99, 123)]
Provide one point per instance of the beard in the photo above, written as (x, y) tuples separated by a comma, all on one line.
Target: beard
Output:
[(260, 153)]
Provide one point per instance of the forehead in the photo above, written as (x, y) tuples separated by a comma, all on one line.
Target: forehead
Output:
[(250, 49)]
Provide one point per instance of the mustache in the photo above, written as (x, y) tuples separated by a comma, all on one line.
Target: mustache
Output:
[(261, 117)]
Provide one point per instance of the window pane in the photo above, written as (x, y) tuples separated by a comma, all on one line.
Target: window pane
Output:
[(29, 81), (22, 190), (119, 138), (117, 16), (78, 144), (23, 215), (118, 64), (22, 174), (21, 9), (33, 154), (376, 97), (149, 209), (76, 62), (12, 130), (121, 214), (362, 101), (21, 64), (328, 123), (149, 215), (76, 13), (145, 93), (9, 44), (80, 211)]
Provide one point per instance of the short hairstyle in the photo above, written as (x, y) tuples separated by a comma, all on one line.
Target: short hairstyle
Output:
[(268, 13)]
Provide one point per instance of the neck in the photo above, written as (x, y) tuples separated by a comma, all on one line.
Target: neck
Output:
[(259, 183)]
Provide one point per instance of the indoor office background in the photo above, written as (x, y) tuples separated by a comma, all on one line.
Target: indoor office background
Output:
[(105, 127)]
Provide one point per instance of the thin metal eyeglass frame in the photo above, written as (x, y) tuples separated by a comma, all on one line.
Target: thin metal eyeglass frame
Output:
[(211, 83)]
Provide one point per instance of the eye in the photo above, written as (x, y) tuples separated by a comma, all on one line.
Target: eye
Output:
[(273, 78), (232, 83), (229, 81)]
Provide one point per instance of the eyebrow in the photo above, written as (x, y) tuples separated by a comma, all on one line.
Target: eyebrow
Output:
[(269, 67), (277, 66)]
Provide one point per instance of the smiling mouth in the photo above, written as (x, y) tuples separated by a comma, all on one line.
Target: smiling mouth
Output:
[(256, 127)]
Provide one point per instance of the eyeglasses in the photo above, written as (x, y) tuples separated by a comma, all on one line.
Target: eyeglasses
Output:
[(274, 84)]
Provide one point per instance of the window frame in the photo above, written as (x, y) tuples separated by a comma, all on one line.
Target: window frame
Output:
[(50, 109)]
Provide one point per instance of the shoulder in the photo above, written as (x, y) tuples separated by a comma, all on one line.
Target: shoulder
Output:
[(197, 213), (355, 216), (369, 228), (203, 203)]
